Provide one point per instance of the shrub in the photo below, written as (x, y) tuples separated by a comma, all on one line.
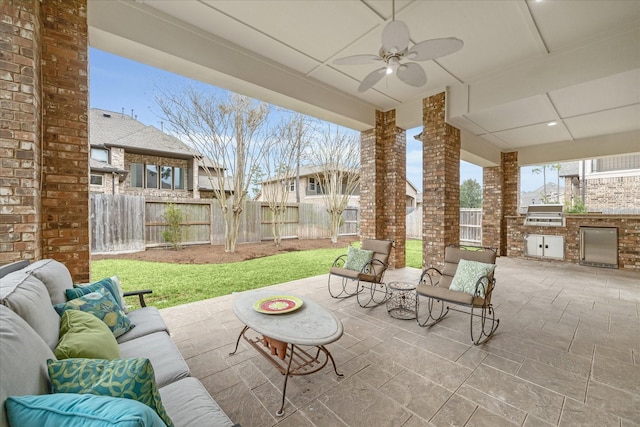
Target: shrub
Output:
[(173, 232)]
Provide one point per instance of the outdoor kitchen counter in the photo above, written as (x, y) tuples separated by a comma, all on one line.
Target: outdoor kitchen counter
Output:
[(628, 226)]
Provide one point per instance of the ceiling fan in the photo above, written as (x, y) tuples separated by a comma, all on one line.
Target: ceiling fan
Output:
[(395, 49)]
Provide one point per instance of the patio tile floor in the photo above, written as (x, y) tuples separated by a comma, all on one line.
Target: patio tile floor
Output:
[(567, 353)]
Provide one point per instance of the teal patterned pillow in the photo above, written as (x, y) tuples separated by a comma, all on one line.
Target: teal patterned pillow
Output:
[(127, 378), (357, 258), (102, 305), (467, 275), (80, 290)]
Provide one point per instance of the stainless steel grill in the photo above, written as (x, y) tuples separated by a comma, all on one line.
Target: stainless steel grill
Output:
[(545, 216)]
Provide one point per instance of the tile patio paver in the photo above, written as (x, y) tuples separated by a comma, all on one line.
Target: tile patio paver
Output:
[(567, 353)]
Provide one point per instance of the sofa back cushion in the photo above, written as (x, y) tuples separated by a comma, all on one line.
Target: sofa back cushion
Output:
[(28, 297), (55, 276), (23, 360)]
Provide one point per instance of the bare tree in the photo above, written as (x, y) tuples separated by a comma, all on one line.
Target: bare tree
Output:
[(335, 159), (231, 131), (281, 163)]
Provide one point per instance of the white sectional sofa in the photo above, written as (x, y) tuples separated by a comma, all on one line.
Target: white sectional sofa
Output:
[(29, 333)]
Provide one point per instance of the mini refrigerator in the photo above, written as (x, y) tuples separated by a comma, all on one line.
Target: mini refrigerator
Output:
[(599, 246)]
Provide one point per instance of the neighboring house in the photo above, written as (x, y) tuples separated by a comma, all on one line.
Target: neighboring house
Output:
[(129, 157), (609, 185), (536, 197), (311, 190), (413, 197)]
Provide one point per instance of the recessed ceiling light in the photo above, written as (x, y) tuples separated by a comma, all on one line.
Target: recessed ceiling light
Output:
[(552, 124)]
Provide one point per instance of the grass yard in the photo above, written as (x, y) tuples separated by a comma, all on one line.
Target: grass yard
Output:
[(175, 284)]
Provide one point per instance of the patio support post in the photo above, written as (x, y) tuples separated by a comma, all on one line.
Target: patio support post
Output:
[(383, 176), (441, 182), (510, 193), (46, 156), (492, 207)]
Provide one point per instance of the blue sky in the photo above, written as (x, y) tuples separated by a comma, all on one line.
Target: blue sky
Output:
[(119, 84)]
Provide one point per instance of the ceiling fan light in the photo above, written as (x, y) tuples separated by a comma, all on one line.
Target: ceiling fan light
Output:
[(389, 69)]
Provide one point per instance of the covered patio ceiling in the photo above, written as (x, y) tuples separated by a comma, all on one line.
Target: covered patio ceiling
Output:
[(524, 64)]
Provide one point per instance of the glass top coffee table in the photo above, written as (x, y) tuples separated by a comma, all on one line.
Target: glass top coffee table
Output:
[(288, 330)]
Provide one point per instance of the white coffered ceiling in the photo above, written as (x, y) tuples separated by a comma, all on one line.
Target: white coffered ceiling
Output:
[(524, 64)]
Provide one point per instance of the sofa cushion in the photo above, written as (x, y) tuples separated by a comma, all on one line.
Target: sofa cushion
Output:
[(102, 305), (147, 320), (126, 378), (168, 364), (79, 290), (22, 351), (84, 335), (55, 276), (189, 404), (64, 409), (27, 296)]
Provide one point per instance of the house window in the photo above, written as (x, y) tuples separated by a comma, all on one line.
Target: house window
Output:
[(137, 175), (311, 188), (95, 179), (166, 177), (100, 154), (290, 186), (152, 176), (178, 178)]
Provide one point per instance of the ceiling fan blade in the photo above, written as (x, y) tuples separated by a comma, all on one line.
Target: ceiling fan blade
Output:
[(434, 48), (412, 74), (372, 78), (395, 36), (357, 60)]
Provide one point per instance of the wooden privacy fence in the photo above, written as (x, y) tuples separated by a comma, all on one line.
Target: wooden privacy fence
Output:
[(124, 223), (470, 225)]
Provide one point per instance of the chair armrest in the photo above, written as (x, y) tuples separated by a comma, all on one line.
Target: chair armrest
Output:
[(487, 284), (428, 276), (339, 262), (140, 295)]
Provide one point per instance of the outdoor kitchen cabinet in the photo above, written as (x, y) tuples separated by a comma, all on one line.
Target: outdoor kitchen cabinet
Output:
[(544, 246)]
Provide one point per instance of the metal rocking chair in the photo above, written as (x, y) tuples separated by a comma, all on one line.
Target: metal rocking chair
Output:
[(433, 292), (367, 283)]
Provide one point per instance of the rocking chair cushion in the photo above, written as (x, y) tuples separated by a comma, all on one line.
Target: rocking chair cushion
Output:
[(467, 276), (357, 258)]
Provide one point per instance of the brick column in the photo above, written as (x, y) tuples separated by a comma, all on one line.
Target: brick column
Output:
[(510, 195), (48, 152), (20, 131), (65, 175), (383, 178), (492, 207), (441, 182)]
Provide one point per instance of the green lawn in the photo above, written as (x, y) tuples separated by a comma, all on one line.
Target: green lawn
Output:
[(175, 284)]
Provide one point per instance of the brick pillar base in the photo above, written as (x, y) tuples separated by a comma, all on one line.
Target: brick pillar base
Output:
[(441, 182), (383, 178)]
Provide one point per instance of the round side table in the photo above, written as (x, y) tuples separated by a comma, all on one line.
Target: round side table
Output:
[(402, 302)]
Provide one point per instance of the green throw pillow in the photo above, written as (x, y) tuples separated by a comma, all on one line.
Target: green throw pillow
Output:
[(467, 275), (127, 378), (64, 409), (357, 258), (84, 335), (103, 306), (79, 290)]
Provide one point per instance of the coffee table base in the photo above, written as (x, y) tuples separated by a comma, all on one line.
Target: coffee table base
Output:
[(297, 360)]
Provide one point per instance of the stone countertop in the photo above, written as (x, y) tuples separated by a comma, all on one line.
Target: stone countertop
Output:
[(310, 324)]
